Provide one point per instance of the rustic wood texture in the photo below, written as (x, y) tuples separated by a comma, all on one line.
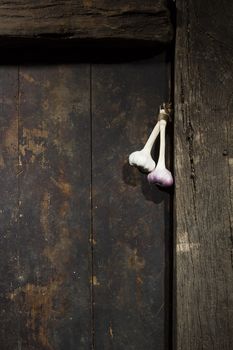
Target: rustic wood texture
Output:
[(204, 175), (9, 234), (46, 272), (130, 217), (68, 21), (84, 237)]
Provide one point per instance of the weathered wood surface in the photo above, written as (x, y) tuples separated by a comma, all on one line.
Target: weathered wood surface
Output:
[(9, 234), (45, 208), (83, 237), (130, 217), (68, 21), (204, 175)]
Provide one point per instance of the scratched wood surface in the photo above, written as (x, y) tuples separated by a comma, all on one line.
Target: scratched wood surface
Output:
[(46, 208), (83, 252), (9, 234), (204, 175), (130, 217)]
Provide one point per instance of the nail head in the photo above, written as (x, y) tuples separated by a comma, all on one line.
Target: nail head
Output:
[(225, 152)]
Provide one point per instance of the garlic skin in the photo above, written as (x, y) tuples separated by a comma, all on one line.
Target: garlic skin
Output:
[(161, 175), (142, 159)]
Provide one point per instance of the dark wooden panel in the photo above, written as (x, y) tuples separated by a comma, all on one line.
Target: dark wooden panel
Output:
[(70, 20), (9, 235), (49, 284), (204, 174), (130, 217)]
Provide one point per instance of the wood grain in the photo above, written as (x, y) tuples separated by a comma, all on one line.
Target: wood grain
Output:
[(9, 213), (48, 284), (130, 217), (68, 21), (83, 236), (204, 175)]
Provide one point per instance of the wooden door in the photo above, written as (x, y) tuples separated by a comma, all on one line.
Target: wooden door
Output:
[(84, 239)]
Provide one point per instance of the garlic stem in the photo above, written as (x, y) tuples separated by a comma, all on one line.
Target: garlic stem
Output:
[(161, 161), (151, 140), (142, 159), (161, 175)]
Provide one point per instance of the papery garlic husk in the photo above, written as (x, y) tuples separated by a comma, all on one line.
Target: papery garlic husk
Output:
[(143, 160), (161, 177)]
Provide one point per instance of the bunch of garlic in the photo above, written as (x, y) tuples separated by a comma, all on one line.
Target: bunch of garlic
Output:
[(142, 159)]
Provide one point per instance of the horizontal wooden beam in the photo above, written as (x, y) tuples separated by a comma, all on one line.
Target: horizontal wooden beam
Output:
[(75, 20)]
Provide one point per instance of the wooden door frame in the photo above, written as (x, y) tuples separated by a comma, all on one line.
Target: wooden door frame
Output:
[(67, 24), (204, 172)]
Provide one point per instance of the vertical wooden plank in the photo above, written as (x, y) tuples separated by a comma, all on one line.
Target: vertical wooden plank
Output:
[(52, 294), (9, 324), (130, 217), (204, 175)]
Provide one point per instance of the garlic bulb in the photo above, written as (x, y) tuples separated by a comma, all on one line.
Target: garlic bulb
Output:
[(161, 175), (142, 159)]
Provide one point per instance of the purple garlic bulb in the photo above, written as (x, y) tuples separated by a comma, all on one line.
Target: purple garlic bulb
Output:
[(161, 175)]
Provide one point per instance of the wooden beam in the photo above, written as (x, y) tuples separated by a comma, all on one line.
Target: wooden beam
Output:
[(69, 21), (204, 175)]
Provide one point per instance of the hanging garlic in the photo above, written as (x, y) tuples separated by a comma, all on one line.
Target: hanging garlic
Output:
[(161, 175)]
